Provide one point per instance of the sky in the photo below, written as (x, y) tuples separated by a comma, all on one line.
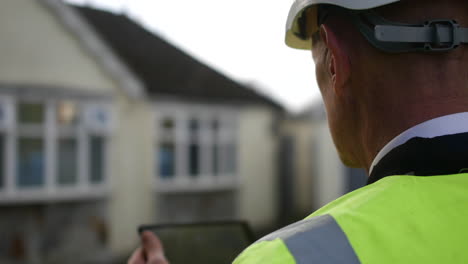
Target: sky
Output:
[(243, 39)]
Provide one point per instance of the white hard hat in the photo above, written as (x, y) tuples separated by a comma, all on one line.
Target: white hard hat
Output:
[(297, 39)]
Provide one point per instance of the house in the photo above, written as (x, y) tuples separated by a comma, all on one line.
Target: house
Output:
[(331, 179), (297, 170), (105, 126), (311, 174)]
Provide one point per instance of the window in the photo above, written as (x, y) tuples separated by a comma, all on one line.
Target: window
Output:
[(67, 165), (30, 113), (196, 145), (96, 159), (67, 120), (2, 112), (30, 168), (67, 113), (30, 162), (230, 157), (167, 160), (194, 148), (4, 124), (53, 144), (2, 160), (97, 122), (167, 149), (215, 146), (226, 147)]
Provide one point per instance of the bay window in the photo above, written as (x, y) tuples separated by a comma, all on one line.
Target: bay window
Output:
[(195, 147), (52, 148)]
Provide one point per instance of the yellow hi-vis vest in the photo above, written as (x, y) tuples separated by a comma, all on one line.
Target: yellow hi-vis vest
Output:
[(398, 219)]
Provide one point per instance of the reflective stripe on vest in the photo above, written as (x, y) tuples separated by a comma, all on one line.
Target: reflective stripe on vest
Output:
[(316, 240)]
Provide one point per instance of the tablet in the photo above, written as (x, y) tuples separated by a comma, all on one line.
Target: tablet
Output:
[(204, 243)]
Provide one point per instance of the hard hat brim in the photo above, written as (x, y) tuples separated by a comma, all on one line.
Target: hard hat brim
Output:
[(296, 39)]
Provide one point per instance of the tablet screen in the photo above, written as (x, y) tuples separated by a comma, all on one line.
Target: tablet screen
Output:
[(206, 243)]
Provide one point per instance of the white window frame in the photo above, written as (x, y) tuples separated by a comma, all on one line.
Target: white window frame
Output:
[(181, 114), (51, 190), (6, 126), (5, 104)]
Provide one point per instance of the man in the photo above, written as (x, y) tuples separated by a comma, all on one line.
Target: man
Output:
[(394, 79)]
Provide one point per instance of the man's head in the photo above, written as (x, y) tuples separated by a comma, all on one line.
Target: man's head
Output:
[(371, 93)]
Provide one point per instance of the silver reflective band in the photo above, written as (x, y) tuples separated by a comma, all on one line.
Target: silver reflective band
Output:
[(316, 240)]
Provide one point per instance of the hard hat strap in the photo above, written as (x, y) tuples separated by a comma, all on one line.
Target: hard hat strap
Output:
[(392, 37)]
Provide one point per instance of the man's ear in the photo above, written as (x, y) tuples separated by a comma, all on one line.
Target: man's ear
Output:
[(338, 66)]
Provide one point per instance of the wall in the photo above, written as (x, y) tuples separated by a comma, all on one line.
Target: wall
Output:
[(131, 199), (36, 49), (258, 168), (54, 233)]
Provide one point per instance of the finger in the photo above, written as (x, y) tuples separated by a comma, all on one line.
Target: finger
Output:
[(137, 257), (153, 248)]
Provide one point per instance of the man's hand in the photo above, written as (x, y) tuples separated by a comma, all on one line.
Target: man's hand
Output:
[(150, 252)]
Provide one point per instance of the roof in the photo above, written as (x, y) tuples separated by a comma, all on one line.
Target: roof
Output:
[(164, 69)]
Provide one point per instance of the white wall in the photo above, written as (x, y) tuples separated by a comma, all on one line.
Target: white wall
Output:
[(258, 168), (131, 202), (37, 49)]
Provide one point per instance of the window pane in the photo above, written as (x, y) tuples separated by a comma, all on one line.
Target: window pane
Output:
[(30, 113), (215, 126), (194, 148), (2, 160), (194, 128), (231, 158), (167, 130), (167, 124), (97, 158), (101, 115), (215, 131), (2, 112), (67, 161), (215, 159), (166, 160), (194, 159), (30, 167), (67, 113)]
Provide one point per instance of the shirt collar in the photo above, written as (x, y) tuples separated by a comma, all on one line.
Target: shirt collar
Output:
[(445, 125)]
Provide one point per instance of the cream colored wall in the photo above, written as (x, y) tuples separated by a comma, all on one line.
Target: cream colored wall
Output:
[(37, 49), (257, 166), (131, 202)]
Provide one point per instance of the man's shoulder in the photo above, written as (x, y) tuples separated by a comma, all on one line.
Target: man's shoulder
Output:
[(359, 222), (317, 238), (313, 240), (370, 198)]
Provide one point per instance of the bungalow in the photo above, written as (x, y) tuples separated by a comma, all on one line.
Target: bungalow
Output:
[(105, 126)]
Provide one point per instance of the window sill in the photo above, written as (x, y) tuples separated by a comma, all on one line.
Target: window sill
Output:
[(58, 195), (199, 184)]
